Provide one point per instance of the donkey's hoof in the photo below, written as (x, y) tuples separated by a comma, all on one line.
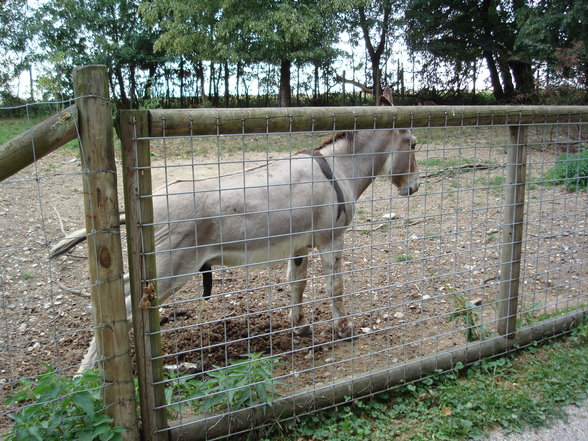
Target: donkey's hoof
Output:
[(302, 330), (345, 331)]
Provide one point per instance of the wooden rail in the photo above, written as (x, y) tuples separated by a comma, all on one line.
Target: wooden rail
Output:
[(275, 120), (39, 141)]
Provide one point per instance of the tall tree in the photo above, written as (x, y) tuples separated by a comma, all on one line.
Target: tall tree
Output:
[(108, 32), (16, 38), (279, 32), (466, 30), (555, 32), (376, 22)]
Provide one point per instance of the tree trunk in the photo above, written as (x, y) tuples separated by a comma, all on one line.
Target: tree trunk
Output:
[(315, 97), (285, 91), (507, 84), (377, 77), (227, 72), (200, 74), (523, 76), (124, 101), (239, 74), (375, 53), (150, 81), (182, 82), (133, 87), (494, 77)]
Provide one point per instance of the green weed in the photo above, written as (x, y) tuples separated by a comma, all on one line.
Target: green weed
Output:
[(241, 384), (54, 407), (512, 392), (467, 312), (571, 171), (404, 258), (490, 237)]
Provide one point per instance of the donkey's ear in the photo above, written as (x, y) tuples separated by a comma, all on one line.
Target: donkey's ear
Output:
[(386, 98)]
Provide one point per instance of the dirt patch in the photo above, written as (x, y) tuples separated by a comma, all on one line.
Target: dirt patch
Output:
[(405, 277)]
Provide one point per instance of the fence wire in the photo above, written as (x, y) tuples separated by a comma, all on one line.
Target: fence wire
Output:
[(46, 317), (421, 273)]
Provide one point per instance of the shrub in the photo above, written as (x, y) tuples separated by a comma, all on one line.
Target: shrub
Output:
[(54, 407), (242, 383), (571, 170)]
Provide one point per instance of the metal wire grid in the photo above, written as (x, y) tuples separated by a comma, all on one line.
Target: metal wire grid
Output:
[(44, 310), (416, 284)]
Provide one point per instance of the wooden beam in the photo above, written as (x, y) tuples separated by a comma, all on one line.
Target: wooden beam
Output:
[(141, 245), (104, 246), (512, 232), (39, 141), (187, 122)]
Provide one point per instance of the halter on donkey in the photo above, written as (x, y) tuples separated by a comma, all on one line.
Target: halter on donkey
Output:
[(280, 210)]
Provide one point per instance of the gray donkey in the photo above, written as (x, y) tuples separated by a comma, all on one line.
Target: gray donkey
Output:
[(279, 210)]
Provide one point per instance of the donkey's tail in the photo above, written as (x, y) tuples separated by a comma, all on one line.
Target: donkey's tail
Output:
[(65, 244)]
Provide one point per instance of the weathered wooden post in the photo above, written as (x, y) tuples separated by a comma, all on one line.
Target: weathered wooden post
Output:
[(141, 245), (512, 233), (104, 246)]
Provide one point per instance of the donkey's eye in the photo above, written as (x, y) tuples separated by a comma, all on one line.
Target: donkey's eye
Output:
[(413, 146)]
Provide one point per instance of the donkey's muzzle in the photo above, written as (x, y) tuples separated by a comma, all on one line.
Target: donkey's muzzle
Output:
[(407, 190)]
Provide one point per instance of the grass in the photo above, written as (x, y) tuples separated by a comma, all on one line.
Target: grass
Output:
[(12, 127), (230, 145), (449, 162), (527, 389), (404, 258)]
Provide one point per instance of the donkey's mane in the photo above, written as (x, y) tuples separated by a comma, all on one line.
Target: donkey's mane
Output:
[(347, 136)]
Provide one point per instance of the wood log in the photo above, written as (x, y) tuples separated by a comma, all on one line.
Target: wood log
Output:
[(39, 141), (104, 246), (194, 122)]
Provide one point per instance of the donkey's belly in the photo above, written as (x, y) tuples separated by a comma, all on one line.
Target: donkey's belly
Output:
[(260, 251)]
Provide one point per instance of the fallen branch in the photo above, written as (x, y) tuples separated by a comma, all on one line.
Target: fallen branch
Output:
[(461, 169), (71, 290), (363, 87)]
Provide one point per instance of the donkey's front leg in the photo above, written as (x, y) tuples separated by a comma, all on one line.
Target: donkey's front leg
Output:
[(297, 270), (331, 262)]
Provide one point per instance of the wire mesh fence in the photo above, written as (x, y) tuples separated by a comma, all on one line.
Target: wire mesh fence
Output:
[(421, 274), (52, 309), (45, 307), (254, 206)]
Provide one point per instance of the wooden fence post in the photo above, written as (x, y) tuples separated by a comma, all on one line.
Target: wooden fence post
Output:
[(141, 245), (512, 233), (104, 246)]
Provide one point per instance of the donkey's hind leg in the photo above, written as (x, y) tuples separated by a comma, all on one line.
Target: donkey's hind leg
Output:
[(297, 270), (331, 262), (91, 357)]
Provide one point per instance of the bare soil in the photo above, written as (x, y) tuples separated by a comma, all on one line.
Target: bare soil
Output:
[(405, 278)]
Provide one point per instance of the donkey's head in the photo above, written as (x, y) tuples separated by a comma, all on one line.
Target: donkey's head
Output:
[(402, 164)]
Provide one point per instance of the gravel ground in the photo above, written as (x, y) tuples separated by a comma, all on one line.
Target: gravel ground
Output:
[(572, 428)]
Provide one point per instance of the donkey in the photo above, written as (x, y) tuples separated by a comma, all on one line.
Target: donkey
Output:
[(279, 210)]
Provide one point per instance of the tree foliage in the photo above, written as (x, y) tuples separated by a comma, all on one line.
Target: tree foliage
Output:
[(463, 31), (155, 48), (247, 31), (16, 35), (555, 32), (108, 32)]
